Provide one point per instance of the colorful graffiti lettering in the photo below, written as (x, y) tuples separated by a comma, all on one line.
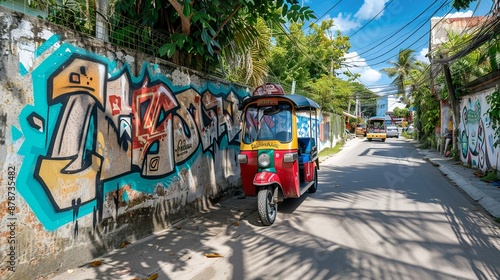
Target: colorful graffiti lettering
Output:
[(94, 127)]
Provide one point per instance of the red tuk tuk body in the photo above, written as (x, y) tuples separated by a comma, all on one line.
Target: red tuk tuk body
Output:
[(275, 163), (285, 175)]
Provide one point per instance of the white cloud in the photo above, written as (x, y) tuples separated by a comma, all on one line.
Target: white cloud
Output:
[(358, 65), (421, 55), (369, 76), (370, 9), (344, 23)]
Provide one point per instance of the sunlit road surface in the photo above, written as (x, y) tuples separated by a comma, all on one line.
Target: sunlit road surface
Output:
[(380, 212)]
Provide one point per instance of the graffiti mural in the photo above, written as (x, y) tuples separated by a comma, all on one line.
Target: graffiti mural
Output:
[(476, 135), (324, 134), (306, 128), (95, 128)]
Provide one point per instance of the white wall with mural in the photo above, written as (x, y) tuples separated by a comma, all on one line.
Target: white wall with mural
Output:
[(476, 136)]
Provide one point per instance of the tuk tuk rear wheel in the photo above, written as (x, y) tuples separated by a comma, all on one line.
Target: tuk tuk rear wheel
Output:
[(267, 209), (314, 187)]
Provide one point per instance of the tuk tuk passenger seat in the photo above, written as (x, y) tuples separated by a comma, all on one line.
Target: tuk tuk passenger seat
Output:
[(306, 149)]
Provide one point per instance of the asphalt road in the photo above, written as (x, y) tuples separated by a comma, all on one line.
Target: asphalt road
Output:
[(392, 215), (380, 212)]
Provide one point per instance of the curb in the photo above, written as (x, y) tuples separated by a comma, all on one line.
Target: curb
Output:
[(489, 204)]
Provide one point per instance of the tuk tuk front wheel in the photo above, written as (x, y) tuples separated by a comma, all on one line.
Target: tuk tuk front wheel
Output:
[(267, 209)]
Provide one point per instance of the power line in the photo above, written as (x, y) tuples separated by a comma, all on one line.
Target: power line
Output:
[(373, 18), (418, 80), (486, 32), (400, 29), (397, 45), (325, 13)]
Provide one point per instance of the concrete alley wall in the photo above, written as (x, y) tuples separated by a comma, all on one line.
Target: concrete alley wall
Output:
[(101, 146)]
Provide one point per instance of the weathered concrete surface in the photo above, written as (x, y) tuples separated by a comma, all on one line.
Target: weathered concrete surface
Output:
[(100, 145)]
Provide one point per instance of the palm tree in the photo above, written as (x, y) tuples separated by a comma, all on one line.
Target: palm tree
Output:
[(467, 68), (401, 71), (426, 105), (245, 59)]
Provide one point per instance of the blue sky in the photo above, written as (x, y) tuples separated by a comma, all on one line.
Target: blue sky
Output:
[(378, 29)]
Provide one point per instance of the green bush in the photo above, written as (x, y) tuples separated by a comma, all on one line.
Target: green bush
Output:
[(408, 135), (491, 176), (428, 142)]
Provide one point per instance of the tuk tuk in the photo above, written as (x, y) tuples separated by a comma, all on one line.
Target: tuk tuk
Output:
[(278, 151), (376, 129)]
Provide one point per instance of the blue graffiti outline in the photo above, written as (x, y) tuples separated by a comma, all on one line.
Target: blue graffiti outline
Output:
[(36, 141)]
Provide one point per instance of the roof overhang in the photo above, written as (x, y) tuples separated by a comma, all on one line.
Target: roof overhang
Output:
[(350, 115)]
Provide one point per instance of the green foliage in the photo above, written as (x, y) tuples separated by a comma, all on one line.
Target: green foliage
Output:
[(494, 113), (490, 176), (310, 60), (408, 135), (289, 60), (428, 116), (210, 28), (331, 93), (428, 142), (73, 14), (305, 58), (401, 112), (494, 53), (167, 49), (461, 4), (467, 68), (197, 34), (427, 106), (329, 48), (250, 67), (401, 71), (368, 99), (353, 122), (494, 98)]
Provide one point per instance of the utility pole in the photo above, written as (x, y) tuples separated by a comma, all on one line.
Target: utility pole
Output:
[(358, 108), (101, 21), (453, 102)]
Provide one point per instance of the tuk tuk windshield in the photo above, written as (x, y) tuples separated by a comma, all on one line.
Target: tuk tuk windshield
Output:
[(376, 125), (267, 123)]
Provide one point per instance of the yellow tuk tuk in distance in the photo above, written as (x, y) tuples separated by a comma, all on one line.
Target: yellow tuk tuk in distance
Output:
[(376, 129)]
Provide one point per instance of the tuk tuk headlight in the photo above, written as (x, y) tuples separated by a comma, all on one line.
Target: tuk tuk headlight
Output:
[(264, 160), (242, 159), (290, 157)]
